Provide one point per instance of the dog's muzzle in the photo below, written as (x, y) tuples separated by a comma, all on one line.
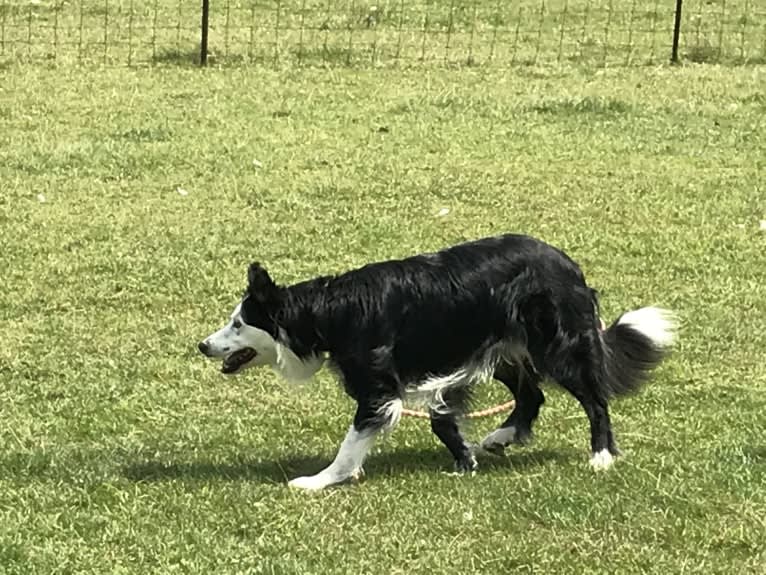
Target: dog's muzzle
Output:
[(232, 361)]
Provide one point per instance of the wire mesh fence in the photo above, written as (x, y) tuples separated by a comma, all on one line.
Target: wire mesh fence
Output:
[(381, 32)]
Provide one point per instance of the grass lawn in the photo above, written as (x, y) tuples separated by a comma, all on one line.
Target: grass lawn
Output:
[(382, 32), (131, 202)]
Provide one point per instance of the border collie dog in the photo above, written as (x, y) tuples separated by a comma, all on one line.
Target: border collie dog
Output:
[(431, 326)]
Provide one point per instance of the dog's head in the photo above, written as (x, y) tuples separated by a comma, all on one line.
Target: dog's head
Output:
[(249, 339)]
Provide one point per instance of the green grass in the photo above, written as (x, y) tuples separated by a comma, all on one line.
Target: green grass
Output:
[(123, 451), (381, 32)]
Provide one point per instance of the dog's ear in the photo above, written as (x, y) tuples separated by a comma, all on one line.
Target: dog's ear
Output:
[(260, 286)]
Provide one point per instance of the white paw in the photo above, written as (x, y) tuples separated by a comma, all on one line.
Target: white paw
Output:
[(601, 460), (498, 440), (310, 482), (502, 436), (357, 474)]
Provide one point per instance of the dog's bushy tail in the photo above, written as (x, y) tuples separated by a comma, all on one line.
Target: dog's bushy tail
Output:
[(633, 346)]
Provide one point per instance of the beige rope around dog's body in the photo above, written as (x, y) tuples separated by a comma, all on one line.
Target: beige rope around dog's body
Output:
[(484, 412)]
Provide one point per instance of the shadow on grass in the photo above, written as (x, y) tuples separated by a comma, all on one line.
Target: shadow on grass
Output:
[(242, 470), (756, 452), (400, 462), (177, 57)]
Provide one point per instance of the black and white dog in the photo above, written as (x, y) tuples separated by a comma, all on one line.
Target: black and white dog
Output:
[(433, 325)]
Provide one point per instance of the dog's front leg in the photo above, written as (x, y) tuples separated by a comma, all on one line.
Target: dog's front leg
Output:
[(355, 447)]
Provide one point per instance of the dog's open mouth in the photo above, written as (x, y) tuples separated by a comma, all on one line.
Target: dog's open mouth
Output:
[(232, 363)]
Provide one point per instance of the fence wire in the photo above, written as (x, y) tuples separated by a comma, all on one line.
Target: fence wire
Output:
[(381, 32)]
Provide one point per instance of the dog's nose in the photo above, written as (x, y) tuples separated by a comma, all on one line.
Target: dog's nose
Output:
[(204, 348)]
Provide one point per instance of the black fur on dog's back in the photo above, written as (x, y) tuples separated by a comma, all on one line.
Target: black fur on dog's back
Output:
[(432, 311)]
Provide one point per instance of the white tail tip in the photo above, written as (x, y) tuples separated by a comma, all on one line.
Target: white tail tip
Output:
[(656, 323)]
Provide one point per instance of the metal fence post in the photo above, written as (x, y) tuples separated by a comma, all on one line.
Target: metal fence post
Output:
[(203, 38), (676, 32)]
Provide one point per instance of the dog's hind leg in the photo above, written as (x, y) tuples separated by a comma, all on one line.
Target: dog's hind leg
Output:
[(603, 446), (445, 426), (584, 388), (524, 384), (368, 422)]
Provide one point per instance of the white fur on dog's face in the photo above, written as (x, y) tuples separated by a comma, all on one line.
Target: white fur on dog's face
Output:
[(237, 336)]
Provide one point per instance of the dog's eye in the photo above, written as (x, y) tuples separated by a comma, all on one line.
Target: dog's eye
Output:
[(236, 324)]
